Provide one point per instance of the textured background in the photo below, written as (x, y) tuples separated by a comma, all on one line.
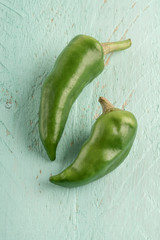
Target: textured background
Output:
[(123, 205)]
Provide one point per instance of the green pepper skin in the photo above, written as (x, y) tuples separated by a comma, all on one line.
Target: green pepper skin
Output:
[(78, 64), (110, 141)]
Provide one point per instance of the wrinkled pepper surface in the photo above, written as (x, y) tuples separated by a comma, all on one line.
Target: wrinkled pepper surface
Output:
[(109, 143), (78, 64)]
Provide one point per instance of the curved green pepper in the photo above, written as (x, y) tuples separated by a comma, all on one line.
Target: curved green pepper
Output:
[(78, 64), (110, 141)]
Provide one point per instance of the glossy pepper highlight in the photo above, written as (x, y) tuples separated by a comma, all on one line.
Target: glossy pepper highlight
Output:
[(110, 141), (78, 64)]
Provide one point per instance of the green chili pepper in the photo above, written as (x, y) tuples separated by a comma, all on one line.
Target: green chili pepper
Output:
[(110, 141), (78, 64)]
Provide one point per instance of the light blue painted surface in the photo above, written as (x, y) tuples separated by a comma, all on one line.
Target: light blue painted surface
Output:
[(126, 203)]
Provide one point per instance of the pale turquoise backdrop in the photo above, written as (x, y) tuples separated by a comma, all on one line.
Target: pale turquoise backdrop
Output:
[(126, 203)]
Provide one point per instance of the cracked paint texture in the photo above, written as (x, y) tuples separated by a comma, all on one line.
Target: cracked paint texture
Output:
[(124, 204)]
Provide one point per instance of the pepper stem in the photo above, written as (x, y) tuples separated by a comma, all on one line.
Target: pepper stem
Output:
[(106, 105), (116, 46)]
